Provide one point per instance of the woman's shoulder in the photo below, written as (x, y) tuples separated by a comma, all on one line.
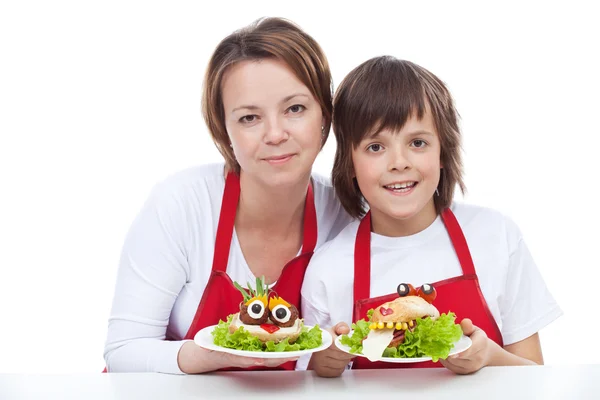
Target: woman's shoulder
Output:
[(208, 178)]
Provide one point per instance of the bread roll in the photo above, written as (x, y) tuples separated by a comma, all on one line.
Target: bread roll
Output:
[(291, 332), (405, 309)]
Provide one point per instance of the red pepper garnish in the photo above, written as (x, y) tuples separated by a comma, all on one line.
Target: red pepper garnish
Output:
[(270, 328), (386, 311)]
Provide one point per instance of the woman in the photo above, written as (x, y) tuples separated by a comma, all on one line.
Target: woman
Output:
[(267, 104)]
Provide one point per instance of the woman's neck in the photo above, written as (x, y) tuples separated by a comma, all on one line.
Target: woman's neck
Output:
[(276, 211), (385, 225)]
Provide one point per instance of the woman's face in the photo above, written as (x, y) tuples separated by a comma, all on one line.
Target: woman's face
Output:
[(273, 121)]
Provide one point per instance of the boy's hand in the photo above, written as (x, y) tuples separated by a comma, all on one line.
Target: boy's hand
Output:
[(332, 362), (475, 357)]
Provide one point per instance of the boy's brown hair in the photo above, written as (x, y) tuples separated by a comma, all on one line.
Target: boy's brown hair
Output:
[(383, 93), (265, 38)]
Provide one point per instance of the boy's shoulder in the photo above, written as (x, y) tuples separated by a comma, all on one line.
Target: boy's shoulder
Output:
[(485, 222), (474, 214)]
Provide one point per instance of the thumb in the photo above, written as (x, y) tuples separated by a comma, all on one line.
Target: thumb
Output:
[(341, 328), (467, 326)]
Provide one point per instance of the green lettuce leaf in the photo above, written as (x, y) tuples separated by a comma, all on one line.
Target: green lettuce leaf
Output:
[(243, 340), (430, 338), (360, 331)]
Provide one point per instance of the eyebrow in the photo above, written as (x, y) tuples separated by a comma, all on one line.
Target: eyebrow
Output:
[(420, 132), (285, 100)]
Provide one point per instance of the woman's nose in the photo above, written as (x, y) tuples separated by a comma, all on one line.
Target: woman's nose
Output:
[(275, 132)]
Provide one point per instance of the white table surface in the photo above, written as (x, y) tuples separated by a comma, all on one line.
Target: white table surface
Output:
[(506, 383)]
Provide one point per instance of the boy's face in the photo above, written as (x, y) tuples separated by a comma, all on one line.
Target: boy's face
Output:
[(397, 173)]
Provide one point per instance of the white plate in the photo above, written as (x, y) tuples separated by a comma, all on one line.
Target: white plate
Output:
[(204, 339), (463, 344)]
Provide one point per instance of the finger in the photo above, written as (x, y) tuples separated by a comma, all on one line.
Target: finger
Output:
[(341, 328), (479, 341), (275, 362), (467, 326), (454, 368), (332, 364), (344, 357), (469, 354), (330, 372)]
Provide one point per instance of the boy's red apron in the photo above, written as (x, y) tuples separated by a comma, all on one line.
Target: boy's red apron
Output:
[(220, 297), (460, 294)]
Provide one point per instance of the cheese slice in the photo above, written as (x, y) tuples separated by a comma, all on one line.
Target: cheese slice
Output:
[(257, 329), (376, 342)]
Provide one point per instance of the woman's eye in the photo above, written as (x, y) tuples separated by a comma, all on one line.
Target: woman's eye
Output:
[(419, 143), (247, 119), (374, 147), (296, 108)]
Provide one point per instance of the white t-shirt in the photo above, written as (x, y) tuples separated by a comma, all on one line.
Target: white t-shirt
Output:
[(166, 262), (510, 281)]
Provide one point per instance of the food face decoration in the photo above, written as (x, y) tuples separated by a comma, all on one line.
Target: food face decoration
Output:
[(261, 307)]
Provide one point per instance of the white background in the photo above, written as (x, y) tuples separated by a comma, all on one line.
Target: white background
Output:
[(100, 100)]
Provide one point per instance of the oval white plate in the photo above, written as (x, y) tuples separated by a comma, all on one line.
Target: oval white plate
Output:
[(463, 344), (204, 339)]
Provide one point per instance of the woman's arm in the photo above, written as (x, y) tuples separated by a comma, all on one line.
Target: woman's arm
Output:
[(152, 271)]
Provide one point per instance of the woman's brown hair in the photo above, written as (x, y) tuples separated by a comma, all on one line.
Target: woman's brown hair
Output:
[(265, 38), (383, 93)]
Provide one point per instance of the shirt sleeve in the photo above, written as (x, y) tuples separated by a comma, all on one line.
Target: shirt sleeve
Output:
[(152, 271), (526, 305)]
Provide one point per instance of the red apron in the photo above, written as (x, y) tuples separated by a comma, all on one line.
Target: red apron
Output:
[(220, 297), (461, 294)]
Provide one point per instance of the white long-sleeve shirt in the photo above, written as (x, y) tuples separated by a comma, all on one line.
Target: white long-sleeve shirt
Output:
[(166, 262)]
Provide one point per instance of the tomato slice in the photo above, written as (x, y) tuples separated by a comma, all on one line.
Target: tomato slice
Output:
[(406, 289), (427, 293), (270, 327)]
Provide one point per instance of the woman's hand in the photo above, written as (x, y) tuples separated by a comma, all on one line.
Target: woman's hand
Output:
[(475, 357), (193, 359), (332, 362)]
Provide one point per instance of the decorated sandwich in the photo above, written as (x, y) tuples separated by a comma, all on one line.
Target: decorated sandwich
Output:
[(407, 327), (265, 322)]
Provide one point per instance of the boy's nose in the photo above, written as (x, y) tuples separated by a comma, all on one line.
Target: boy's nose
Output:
[(398, 160)]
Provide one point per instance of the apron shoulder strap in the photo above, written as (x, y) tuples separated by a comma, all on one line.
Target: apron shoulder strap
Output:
[(310, 232), (231, 196), (459, 242), (362, 260)]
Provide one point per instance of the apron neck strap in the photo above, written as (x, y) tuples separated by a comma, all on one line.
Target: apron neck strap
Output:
[(310, 232), (459, 242), (362, 259), (231, 197), (362, 252)]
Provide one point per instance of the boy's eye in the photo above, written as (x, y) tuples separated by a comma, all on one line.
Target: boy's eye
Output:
[(296, 108), (419, 143), (374, 147), (246, 119)]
